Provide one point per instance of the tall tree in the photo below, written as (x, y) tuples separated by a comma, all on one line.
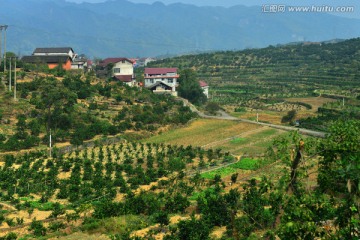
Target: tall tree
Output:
[(54, 100), (189, 87)]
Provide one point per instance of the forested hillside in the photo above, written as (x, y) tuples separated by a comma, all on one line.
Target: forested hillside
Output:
[(75, 108)]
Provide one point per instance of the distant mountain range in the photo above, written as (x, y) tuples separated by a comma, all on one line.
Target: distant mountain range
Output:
[(120, 28)]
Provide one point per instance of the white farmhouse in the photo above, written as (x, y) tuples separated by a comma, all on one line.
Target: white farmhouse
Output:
[(122, 69), (161, 80)]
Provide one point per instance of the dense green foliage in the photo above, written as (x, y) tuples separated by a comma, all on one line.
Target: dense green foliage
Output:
[(78, 109), (328, 210), (189, 87)]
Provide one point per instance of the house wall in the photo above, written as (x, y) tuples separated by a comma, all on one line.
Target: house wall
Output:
[(169, 78), (206, 91), (78, 65), (126, 68), (71, 54), (66, 66), (52, 65), (171, 81)]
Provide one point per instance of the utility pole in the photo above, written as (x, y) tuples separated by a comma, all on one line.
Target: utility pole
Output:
[(50, 144), (1, 28), (9, 75), (5, 27), (15, 80)]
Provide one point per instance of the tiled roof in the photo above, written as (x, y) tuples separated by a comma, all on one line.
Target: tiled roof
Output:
[(124, 78), (45, 59), (160, 70), (53, 50), (203, 83), (113, 60)]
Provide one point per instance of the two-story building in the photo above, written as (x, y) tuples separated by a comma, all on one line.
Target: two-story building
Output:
[(161, 80), (53, 57), (121, 69)]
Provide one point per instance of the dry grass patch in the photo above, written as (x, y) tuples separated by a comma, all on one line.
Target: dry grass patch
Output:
[(82, 236), (203, 131)]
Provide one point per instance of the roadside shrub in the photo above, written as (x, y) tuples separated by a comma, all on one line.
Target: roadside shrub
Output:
[(55, 226), (38, 228)]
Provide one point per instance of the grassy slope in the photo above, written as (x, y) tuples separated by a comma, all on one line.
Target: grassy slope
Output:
[(221, 134), (202, 131)]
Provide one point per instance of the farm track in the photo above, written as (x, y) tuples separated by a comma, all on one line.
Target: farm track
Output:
[(24, 225), (225, 116), (8, 206)]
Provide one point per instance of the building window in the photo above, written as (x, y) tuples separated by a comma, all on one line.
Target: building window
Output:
[(116, 70), (151, 80), (170, 80)]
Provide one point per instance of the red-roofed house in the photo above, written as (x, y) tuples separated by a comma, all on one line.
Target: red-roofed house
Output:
[(161, 80), (121, 69), (205, 87)]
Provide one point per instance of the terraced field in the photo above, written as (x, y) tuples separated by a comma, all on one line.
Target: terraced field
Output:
[(238, 138)]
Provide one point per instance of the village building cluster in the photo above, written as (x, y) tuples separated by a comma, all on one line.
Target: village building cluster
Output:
[(158, 80)]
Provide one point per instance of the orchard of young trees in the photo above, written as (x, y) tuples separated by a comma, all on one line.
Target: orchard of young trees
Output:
[(290, 204)]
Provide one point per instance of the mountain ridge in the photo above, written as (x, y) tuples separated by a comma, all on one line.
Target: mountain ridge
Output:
[(123, 28)]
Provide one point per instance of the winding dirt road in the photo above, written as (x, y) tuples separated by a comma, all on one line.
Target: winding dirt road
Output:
[(225, 116)]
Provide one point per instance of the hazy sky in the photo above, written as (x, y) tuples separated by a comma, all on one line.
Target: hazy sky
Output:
[(240, 2)]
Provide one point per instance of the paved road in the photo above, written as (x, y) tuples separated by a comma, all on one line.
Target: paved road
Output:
[(226, 116)]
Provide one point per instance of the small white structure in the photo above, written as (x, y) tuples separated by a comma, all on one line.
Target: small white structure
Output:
[(161, 80), (79, 63), (205, 87)]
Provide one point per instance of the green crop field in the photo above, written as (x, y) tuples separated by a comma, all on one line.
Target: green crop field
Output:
[(243, 164), (234, 137)]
